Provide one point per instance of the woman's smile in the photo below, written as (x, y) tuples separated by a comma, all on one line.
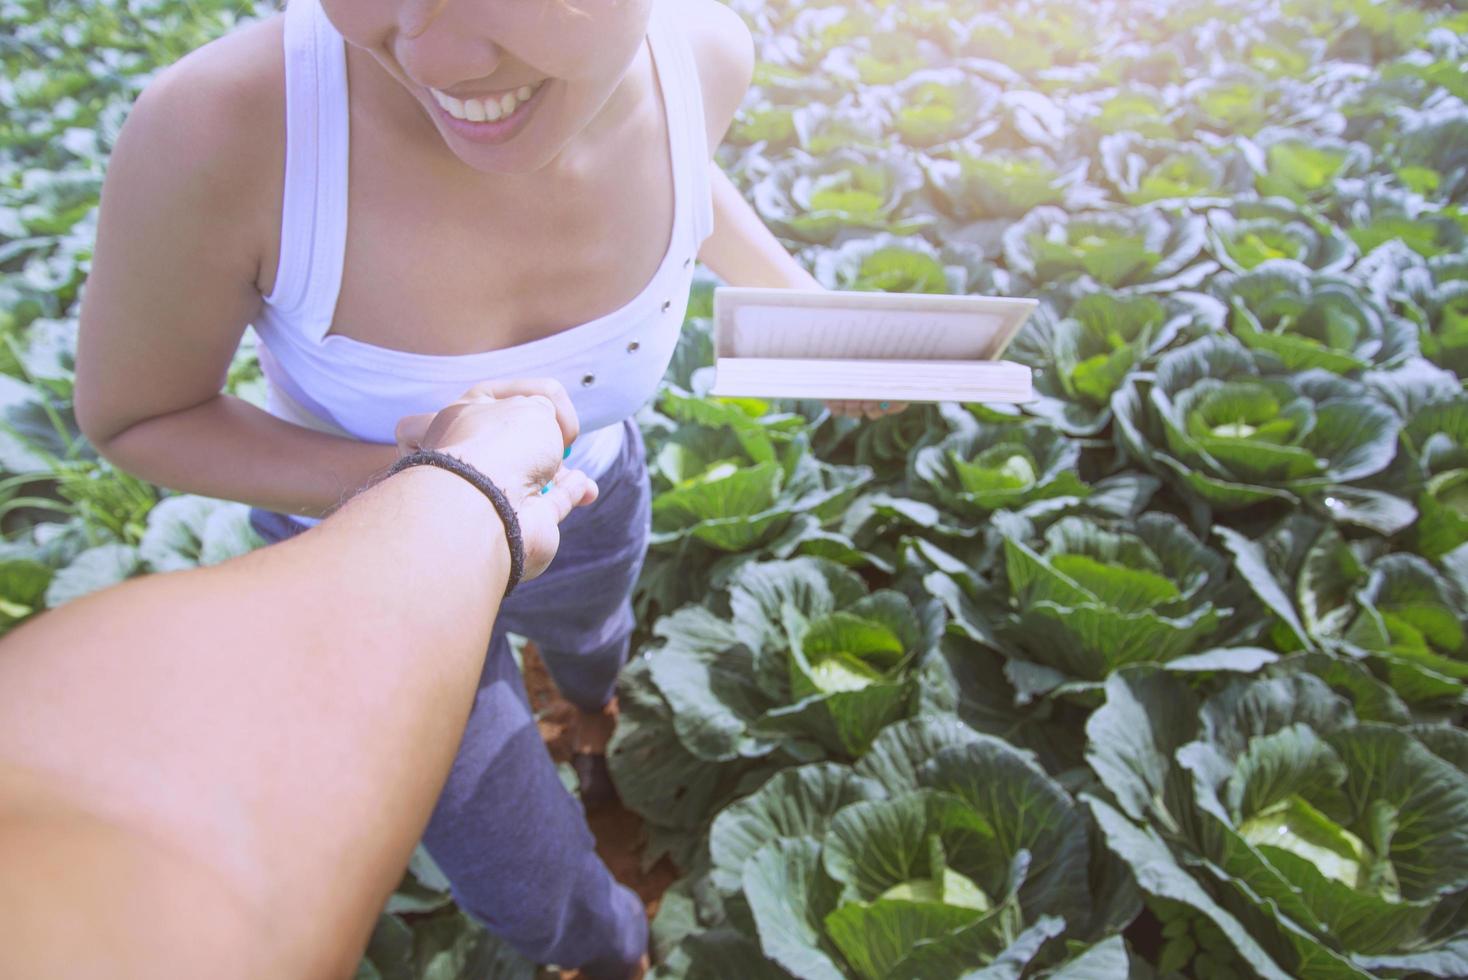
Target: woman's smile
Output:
[(494, 117), (490, 107)]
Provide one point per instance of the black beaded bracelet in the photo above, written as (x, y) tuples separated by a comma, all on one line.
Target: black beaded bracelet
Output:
[(430, 457)]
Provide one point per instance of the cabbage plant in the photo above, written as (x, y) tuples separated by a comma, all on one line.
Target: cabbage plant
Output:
[(1435, 296), (682, 790), (770, 126), (1236, 102), (1409, 618), (854, 121), (941, 852), (1248, 233), (1148, 248), (938, 105), (812, 31), (1228, 436), (1145, 170), (37, 565), (975, 181), (983, 468), (1139, 109), (1319, 844), (884, 58), (1300, 320), (1302, 169), (1092, 596), (801, 661), (830, 663), (884, 443), (890, 264), (1351, 598), (909, 264), (733, 506), (734, 481), (1432, 465), (1082, 358), (187, 531), (815, 200), (787, 84), (1433, 141), (1436, 439), (880, 898), (1028, 45), (1378, 210)]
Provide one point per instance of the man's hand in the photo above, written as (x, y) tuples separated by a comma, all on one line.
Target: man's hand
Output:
[(514, 432)]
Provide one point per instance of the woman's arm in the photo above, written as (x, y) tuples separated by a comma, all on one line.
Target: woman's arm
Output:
[(741, 250), (184, 756), (192, 191)]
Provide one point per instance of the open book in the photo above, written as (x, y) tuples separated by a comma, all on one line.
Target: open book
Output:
[(907, 347)]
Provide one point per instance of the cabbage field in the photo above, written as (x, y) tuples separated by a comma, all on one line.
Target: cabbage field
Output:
[(1161, 675)]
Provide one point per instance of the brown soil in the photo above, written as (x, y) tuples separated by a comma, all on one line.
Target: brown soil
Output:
[(618, 831)]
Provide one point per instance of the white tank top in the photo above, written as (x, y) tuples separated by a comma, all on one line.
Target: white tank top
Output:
[(611, 366)]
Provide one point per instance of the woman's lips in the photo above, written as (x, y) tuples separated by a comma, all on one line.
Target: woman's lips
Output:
[(487, 131)]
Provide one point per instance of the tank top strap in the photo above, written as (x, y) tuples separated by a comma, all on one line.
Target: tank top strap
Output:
[(313, 223), (687, 129)]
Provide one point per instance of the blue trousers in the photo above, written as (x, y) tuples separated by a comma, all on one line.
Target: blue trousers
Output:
[(513, 843)]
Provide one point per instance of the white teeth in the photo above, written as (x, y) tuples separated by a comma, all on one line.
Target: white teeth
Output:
[(484, 109), (451, 105)]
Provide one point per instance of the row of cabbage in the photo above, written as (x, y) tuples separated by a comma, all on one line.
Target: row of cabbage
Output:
[(1163, 674)]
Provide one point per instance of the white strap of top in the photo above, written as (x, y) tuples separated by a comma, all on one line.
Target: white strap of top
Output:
[(687, 128), (314, 212)]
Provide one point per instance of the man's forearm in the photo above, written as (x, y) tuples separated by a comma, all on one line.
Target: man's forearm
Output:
[(741, 250), (268, 718), (228, 448)]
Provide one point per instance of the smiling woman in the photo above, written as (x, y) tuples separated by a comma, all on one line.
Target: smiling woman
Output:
[(407, 199)]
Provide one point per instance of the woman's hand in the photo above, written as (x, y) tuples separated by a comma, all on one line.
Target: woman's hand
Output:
[(515, 433), (870, 410), (412, 427)]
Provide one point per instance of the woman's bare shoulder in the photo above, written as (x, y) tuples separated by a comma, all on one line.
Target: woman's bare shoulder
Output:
[(215, 119), (724, 50), (201, 155)]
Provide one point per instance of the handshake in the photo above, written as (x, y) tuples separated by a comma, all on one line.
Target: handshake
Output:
[(518, 433)]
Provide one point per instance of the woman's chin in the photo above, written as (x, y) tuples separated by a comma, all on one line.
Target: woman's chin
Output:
[(530, 149), (506, 161)]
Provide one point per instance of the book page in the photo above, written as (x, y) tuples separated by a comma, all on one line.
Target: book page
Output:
[(803, 331)]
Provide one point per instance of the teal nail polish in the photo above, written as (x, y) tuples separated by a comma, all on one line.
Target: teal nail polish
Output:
[(545, 489), (567, 453), (884, 405)]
